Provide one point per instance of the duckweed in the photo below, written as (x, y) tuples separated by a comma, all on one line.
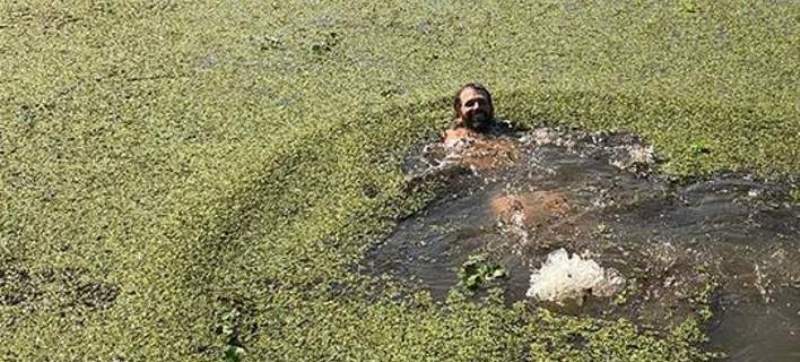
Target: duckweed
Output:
[(191, 156)]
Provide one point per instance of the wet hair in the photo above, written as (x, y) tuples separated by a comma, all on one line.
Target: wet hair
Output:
[(457, 99)]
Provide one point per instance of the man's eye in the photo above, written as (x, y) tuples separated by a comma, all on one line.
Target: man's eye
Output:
[(470, 103)]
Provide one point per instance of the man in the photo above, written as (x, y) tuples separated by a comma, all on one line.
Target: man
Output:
[(473, 120), (464, 145), (473, 116), (473, 107)]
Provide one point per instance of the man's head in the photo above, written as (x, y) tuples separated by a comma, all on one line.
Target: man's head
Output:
[(473, 107)]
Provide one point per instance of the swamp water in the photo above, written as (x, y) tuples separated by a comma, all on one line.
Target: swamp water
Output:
[(655, 247)]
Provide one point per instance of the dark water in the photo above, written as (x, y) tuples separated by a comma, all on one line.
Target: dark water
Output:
[(669, 241)]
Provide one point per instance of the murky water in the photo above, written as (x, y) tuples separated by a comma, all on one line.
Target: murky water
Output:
[(597, 195)]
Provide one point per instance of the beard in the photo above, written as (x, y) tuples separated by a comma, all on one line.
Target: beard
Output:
[(479, 120)]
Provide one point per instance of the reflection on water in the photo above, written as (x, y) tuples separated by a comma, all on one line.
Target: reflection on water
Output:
[(597, 195)]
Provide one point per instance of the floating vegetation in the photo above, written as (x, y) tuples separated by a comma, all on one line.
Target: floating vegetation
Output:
[(172, 152), (477, 272)]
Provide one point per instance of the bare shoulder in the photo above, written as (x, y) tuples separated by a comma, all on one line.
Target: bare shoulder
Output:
[(460, 132)]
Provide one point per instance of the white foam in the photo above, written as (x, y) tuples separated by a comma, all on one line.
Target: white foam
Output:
[(632, 156), (562, 277)]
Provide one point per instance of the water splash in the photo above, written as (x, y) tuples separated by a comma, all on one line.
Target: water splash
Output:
[(563, 277), (600, 193)]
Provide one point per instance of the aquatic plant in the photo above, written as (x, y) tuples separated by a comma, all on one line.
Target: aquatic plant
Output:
[(477, 271)]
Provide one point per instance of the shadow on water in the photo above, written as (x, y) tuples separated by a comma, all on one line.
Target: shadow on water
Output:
[(597, 195)]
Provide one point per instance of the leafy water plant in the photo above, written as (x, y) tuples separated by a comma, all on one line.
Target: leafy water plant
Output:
[(233, 354), (478, 271), (229, 330), (699, 148)]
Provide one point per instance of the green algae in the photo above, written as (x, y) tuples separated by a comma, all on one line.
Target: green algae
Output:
[(194, 156)]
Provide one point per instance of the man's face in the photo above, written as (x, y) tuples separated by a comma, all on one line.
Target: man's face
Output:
[(476, 109)]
